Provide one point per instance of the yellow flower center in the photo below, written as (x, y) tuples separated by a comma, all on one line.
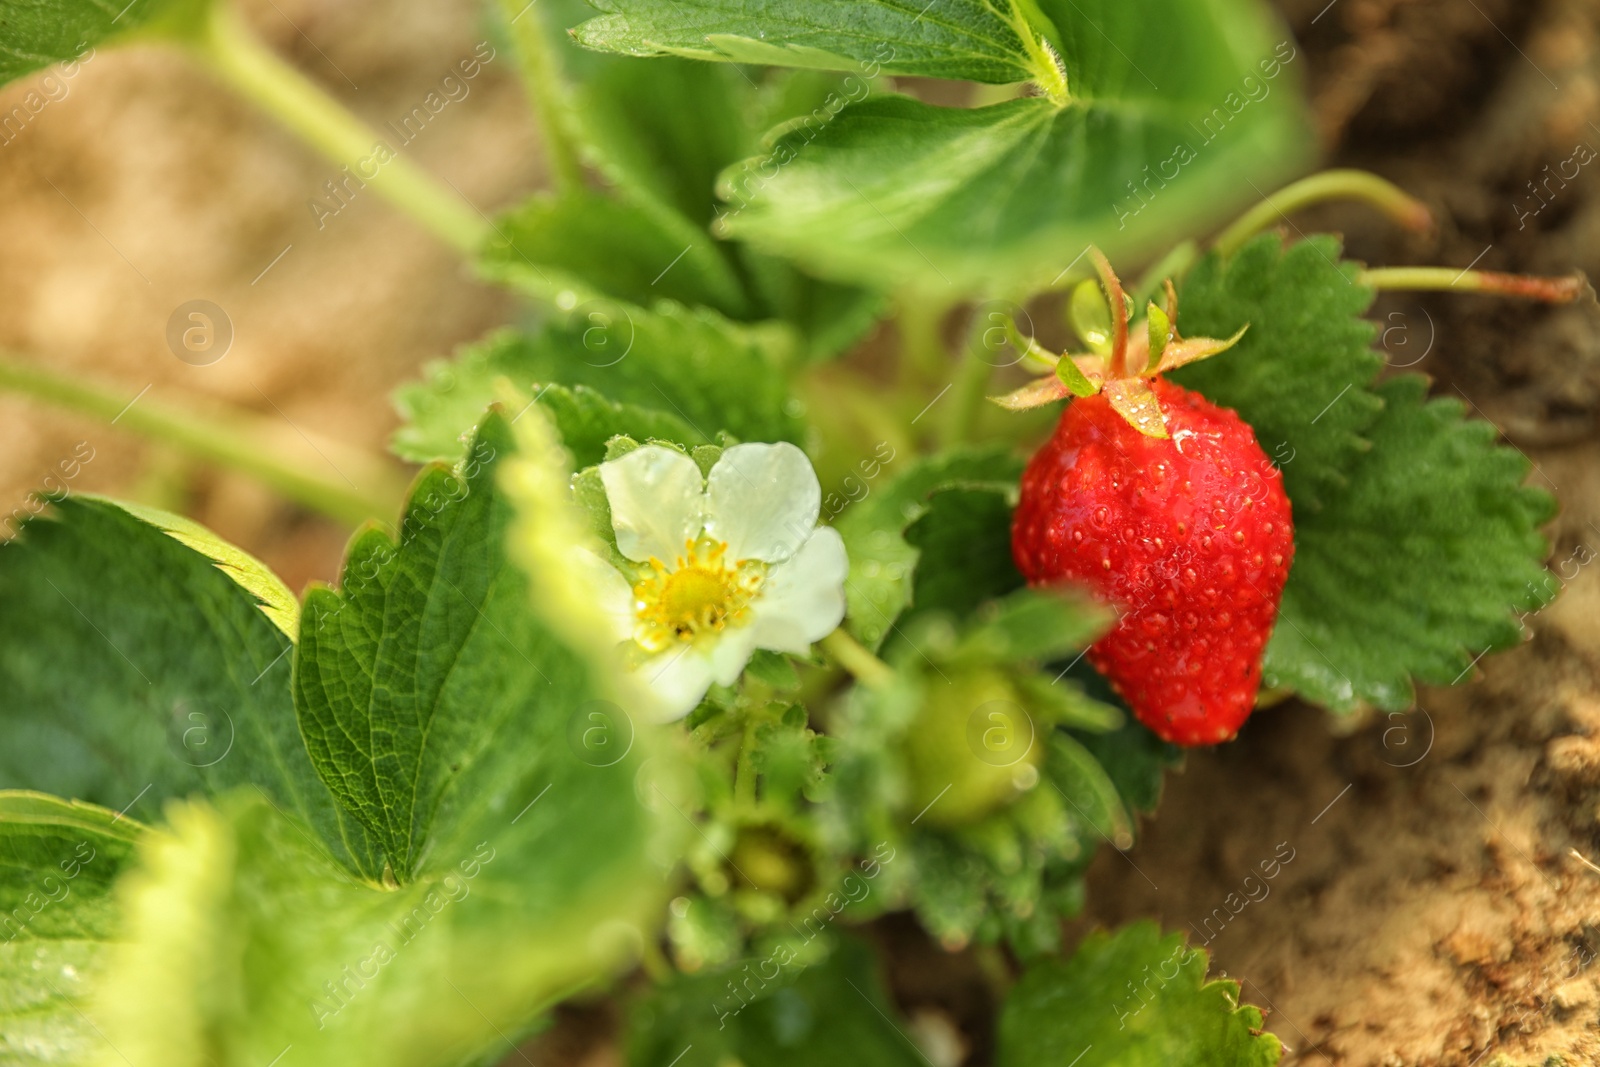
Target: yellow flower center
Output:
[(701, 593)]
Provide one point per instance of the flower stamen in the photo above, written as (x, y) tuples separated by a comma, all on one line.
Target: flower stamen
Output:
[(701, 593)]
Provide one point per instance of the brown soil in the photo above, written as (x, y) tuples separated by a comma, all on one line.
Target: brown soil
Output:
[(1438, 908)]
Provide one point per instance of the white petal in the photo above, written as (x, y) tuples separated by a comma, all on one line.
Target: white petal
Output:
[(612, 593), (802, 600), (730, 654), (657, 497), (763, 500), (677, 680)]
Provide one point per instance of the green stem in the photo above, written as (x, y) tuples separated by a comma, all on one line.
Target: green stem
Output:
[(744, 773), (1560, 290), (922, 354), (234, 54), (547, 90), (654, 962), (1399, 205), (1118, 364), (1048, 73), (229, 442), (967, 394), (850, 654)]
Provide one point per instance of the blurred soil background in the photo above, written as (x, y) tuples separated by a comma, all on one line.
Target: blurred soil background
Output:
[(148, 185), (1441, 905)]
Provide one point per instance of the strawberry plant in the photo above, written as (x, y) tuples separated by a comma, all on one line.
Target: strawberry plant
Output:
[(726, 615)]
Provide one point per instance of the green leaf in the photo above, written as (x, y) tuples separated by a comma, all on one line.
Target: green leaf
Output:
[(142, 659), (882, 562), (439, 701), (1029, 625), (830, 317), (1159, 331), (671, 373), (963, 544), (1299, 375), (659, 133), (41, 32), (992, 199), (1088, 790), (439, 412), (796, 1016), (1136, 761), (426, 660), (1168, 52), (277, 602), (586, 420), (1065, 704), (241, 942), (667, 127), (1420, 564), (963, 39), (580, 246), (58, 860), (1005, 198), (1077, 383), (1416, 545), (1090, 317), (1139, 1000)]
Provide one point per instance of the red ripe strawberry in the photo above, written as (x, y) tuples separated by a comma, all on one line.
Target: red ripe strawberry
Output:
[(1164, 505), (1189, 537)]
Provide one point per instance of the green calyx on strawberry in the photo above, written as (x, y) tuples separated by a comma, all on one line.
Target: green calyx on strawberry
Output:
[(1164, 505), (1123, 364)]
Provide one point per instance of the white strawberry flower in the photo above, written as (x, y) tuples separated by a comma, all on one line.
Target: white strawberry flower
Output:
[(722, 565)]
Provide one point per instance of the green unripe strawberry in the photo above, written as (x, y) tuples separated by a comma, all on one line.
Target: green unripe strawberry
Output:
[(972, 748)]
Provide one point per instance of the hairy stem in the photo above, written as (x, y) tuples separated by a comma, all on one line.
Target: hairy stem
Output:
[(1048, 73), (1560, 290), (240, 441), (1118, 366), (238, 58), (547, 90), (1399, 205), (850, 654)]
